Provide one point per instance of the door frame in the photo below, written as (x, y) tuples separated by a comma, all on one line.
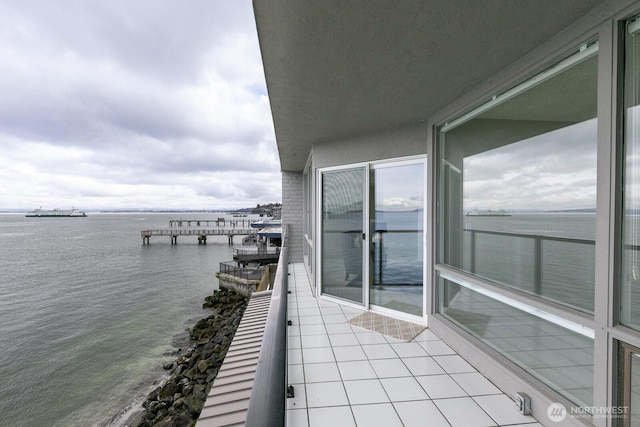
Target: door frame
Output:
[(365, 230), (367, 168)]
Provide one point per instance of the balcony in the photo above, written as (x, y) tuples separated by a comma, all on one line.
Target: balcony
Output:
[(348, 375), (344, 374)]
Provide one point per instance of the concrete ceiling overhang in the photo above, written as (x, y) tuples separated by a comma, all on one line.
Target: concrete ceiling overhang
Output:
[(340, 68)]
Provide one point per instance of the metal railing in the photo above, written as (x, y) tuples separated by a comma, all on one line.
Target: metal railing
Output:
[(247, 273), (538, 241), (267, 405), (257, 251)]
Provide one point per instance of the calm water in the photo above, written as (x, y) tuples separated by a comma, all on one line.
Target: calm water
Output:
[(565, 268), (88, 315), (569, 225), (402, 243)]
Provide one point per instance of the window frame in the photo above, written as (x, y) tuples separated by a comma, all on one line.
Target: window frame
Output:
[(369, 166), (607, 180), (590, 46)]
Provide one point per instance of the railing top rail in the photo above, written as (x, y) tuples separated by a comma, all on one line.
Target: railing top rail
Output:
[(257, 251), (533, 236), (230, 264), (267, 409)]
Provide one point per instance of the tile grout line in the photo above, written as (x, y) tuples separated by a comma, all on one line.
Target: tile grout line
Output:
[(360, 345)]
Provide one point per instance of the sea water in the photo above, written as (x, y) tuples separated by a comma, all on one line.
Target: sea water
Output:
[(556, 248), (88, 314), (506, 255)]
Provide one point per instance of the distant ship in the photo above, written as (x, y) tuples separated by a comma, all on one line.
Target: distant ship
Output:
[(74, 213), (487, 212)]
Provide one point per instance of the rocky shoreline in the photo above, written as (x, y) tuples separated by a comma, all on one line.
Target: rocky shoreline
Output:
[(179, 401)]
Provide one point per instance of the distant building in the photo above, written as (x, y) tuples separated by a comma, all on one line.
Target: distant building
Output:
[(394, 118), (273, 210)]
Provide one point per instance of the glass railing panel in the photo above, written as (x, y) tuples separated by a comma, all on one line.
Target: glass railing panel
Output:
[(554, 268), (565, 276)]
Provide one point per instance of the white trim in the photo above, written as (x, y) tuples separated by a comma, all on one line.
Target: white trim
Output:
[(400, 315), (633, 26), (398, 161), (368, 167), (585, 52), (364, 168), (557, 320), (366, 229)]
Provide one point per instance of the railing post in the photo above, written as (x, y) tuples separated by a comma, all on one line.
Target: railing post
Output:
[(472, 244), (538, 266)]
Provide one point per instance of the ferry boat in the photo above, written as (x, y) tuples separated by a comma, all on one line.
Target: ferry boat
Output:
[(48, 213), (487, 212)]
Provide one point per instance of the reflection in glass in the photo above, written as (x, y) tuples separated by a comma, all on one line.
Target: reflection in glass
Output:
[(554, 354), (518, 188), (396, 253), (630, 269), (628, 385), (342, 234), (634, 391)]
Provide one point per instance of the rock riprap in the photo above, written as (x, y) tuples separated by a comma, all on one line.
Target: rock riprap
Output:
[(179, 401)]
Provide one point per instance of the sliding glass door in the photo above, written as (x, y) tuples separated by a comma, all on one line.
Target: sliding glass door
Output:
[(372, 242), (397, 236), (343, 235)]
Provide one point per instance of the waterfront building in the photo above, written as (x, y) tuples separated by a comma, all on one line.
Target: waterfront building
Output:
[(394, 119)]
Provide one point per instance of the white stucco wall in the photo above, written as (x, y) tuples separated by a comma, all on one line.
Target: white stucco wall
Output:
[(399, 142)]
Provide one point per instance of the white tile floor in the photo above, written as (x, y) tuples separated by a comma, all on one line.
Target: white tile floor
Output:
[(348, 376)]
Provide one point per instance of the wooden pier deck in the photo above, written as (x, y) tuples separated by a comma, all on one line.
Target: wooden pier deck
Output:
[(202, 233)]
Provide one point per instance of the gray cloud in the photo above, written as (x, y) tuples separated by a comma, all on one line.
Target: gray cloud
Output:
[(107, 103), (552, 171)]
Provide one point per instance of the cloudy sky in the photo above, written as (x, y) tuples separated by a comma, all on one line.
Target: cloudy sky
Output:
[(552, 171), (133, 104)]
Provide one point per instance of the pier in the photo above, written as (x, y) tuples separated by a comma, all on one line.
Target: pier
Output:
[(202, 234), (194, 227), (224, 222)]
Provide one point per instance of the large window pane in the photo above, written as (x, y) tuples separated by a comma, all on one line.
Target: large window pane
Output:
[(517, 192), (342, 234), (552, 352), (630, 271)]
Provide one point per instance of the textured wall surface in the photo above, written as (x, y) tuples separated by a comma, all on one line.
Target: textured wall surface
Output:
[(292, 212)]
